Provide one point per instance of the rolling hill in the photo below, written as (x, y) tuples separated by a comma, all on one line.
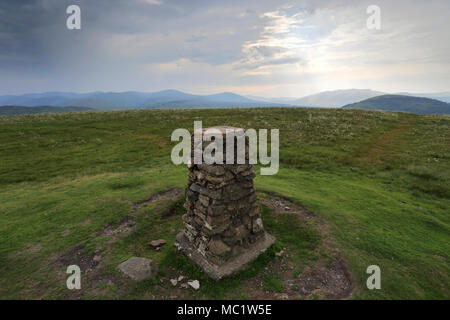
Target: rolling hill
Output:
[(175, 99), (336, 98), (391, 102), (442, 96)]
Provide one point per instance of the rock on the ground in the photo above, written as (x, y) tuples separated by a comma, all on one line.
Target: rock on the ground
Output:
[(180, 278), (139, 269), (174, 282), (279, 254), (157, 243), (195, 284)]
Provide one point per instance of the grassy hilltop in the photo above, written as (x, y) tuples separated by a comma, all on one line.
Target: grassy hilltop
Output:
[(401, 103), (378, 180)]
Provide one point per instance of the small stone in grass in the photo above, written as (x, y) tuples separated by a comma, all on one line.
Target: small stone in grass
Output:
[(139, 269), (195, 284), (173, 282), (157, 243)]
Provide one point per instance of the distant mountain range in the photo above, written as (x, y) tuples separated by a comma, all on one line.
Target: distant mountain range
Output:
[(326, 99), (15, 110), (131, 99), (339, 98), (179, 99), (392, 102)]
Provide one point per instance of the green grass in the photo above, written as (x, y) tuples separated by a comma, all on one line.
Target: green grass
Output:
[(273, 283), (379, 179)]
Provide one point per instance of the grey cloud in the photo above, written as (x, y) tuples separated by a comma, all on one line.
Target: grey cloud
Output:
[(120, 38)]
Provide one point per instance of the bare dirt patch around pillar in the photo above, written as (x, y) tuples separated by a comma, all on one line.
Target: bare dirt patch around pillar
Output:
[(324, 276)]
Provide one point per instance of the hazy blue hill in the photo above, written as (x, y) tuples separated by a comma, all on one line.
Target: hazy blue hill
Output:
[(336, 98), (442, 96), (391, 102), (133, 100), (178, 99), (157, 99), (15, 110), (229, 97)]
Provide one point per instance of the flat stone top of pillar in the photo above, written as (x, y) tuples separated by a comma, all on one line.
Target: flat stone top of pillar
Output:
[(221, 129)]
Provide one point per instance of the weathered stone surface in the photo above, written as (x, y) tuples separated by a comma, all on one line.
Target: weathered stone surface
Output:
[(213, 194), (209, 230), (235, 191), (186, 218), (157, 243), (198, 206), (216, 221), (241, 232), (228, 177), (231, 266), (216, 210), (254, 211), (199, 214), (192, 196), (214, 179), (246, 221), (139, 269), (257, 225), (199, 175), (223, 227), (248, 172), (195, 284), (217, 170), (204, 200), (219, 248), (240, 168)]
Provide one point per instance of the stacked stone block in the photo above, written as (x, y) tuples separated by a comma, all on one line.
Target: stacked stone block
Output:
[(223, 220)]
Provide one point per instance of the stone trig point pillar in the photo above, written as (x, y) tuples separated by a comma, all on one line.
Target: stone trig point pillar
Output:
[(223, 230)]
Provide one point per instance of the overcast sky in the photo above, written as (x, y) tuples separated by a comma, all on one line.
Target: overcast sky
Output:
[(262, 47)]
